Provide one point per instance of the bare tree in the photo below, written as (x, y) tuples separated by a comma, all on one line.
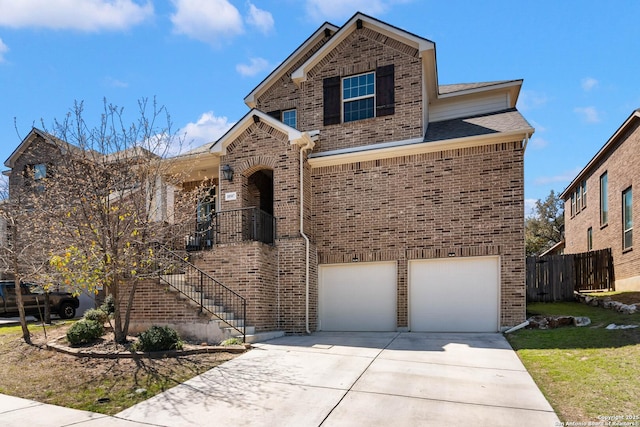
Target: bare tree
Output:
[(24, 225), (117, 196)]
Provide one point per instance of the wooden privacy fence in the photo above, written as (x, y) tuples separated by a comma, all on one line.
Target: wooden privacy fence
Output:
[(556, 277)]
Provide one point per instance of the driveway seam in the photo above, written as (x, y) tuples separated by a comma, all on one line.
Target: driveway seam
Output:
[(453, 401), (359, 376)]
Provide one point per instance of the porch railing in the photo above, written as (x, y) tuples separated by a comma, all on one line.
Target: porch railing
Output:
[(232, 226), (212, 296)]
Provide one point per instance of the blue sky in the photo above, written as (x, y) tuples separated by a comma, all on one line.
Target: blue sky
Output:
[(200, 58)]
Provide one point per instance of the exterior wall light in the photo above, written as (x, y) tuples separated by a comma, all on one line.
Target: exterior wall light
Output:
[(227, 172)]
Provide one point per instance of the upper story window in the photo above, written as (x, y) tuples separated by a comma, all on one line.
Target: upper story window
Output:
[(359, 97), (290, 118), (39, 171), (579, 198), (627, 219), (604, 199)]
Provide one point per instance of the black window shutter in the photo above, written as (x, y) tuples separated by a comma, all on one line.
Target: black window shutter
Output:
[(331, 95), (385, 91), (277, 114)]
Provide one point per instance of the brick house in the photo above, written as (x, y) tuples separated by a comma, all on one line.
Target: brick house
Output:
[(398, 202), (603, 216), (359, 194)]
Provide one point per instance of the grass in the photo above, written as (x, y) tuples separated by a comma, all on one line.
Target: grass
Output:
[(585, 372), (106, 386)]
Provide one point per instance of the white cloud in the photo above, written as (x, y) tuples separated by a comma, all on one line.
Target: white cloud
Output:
[(3, 49), (110, 81), (588, 114), (588, 83), (538, 143), (83, 15), (261, 19), (256, 66), (320, 10), (565, 177), (207, 129), (528, 100), (209, 21), (529, 206), (537, 126)]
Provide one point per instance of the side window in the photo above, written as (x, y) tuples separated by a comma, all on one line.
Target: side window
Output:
[(627, 218), (589, 239), (604, 199), (290, 118)]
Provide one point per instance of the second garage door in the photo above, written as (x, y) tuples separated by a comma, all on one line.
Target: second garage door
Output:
[(454, 294), (357, 297)]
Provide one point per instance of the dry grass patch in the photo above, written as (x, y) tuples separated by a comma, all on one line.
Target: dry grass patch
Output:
[(106, 386)]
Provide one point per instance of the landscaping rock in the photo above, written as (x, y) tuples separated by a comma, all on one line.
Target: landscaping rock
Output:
[(558, 321), (552, 322), (614, 326), (581, 321)]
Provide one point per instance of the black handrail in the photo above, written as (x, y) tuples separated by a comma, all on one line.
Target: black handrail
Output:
[(198, 286), (232, 226)]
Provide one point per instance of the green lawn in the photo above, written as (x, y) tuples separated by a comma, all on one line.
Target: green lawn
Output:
[(585, 372)]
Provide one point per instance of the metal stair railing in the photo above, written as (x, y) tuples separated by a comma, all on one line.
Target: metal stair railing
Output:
[(212, 296)]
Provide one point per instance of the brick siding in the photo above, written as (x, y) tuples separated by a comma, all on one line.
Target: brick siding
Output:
[(622, 172)]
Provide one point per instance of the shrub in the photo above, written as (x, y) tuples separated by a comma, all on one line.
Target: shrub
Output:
[(159, 338), (232, 341), (108, 306), (84, 332), (96, 315)]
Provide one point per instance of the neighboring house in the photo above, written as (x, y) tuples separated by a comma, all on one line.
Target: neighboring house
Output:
[(602, 217), (359, 194)]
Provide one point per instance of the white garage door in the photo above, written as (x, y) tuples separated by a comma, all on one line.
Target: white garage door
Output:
[(454, 294), (357, 297)]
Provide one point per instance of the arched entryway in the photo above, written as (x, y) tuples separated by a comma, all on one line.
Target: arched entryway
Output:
[(260, 190), (258, 220)]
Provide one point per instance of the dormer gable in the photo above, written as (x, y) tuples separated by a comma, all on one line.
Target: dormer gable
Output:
[(257, 117), (323, 33)]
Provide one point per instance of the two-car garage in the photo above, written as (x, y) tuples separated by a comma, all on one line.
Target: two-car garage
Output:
[(444, 295)]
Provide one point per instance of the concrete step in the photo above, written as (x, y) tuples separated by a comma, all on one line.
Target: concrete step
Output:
[(263, 336)]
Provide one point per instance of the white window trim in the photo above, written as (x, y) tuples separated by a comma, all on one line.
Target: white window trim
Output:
[(357, 98)]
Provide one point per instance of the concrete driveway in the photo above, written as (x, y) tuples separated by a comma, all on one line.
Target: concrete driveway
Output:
[(359, 379)]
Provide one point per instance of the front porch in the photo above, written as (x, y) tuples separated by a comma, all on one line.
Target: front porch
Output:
[(232, 226)]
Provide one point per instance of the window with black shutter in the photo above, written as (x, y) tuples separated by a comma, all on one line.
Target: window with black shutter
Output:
[(331, 95), (385, 92), (359, 97)]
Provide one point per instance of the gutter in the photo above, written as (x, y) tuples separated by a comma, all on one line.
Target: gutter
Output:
[(308, 146)]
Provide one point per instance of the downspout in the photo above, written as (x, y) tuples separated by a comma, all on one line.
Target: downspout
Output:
[(309, 145)]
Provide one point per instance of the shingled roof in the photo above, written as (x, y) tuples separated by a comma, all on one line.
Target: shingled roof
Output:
[(459, 87), (499, 122)]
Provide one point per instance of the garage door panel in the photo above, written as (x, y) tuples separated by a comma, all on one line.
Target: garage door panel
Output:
[(454, 295), (357, 297)]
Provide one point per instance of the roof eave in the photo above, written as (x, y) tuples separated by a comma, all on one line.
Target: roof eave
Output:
[(422, 44), (604, 151), (512, 86), (413, 147), (251, 98)]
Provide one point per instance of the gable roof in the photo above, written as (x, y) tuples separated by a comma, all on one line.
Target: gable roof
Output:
[(605, 151), (325, 30), (256, 116), (359, 19), (30, 138)]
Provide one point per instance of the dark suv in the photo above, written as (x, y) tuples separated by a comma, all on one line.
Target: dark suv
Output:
[(64, 304)]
